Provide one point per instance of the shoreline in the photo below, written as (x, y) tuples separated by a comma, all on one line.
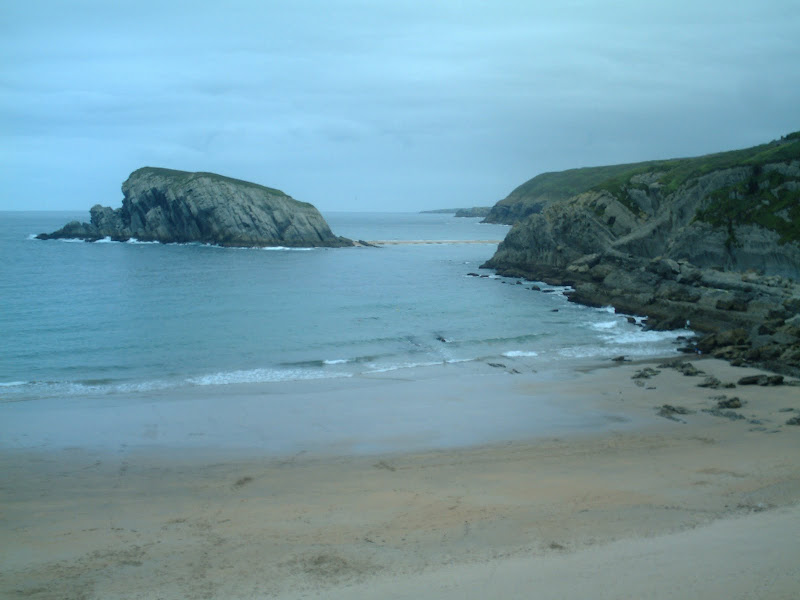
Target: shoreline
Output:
[(417, 408), (490, 519)]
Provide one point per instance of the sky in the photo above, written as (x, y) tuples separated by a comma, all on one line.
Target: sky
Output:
[(368, 105)]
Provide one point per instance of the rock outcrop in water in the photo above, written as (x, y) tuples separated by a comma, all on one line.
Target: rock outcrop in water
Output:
[(713, 242), (168, 206)]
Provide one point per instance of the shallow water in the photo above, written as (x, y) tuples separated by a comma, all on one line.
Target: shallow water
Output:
[(94, 319)]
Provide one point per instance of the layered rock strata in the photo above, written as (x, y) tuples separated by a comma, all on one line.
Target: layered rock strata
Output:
[(170, 206), (715, 248)]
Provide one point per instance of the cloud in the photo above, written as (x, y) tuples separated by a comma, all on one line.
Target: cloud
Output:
[(413, 104)]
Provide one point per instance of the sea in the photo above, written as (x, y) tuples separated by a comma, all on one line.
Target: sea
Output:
[(82, 319)]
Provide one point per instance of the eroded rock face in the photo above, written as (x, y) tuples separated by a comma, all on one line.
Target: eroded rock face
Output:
[(168, 206), (719, 252)]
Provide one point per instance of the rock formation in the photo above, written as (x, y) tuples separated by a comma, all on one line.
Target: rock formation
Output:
[(713, 242), (535, 194), (475, 211), (167, 206)]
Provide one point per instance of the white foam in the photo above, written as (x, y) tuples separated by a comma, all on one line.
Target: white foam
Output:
[(105, 240), (13, 383), (583, 351), (261, 376), (403, 366), (643, 337), (146, 386), (135, 241), (83, 388), (287, 249), (520, 353), (338, 361), (605, 325)]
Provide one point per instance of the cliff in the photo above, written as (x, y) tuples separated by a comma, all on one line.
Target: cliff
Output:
[(713, 240), (475, 211), (177, 206), (535, 194)]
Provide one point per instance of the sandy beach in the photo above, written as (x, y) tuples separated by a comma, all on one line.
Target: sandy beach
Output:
[(603, 497)]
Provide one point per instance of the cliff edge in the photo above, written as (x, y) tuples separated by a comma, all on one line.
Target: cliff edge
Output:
[(712, 242), (171, 206)]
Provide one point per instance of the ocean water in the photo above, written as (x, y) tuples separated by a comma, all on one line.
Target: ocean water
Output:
[(100, 319)]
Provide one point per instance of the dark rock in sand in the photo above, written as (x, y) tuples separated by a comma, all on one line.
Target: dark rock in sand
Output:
[(668, 412), (726, 414), (167, 206), (734, 402), (686, 368), (710, 382), (714, 383), (763, 380), (645, 373)]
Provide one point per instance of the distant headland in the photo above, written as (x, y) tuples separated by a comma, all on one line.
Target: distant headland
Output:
[(475, 211), (168, 206)]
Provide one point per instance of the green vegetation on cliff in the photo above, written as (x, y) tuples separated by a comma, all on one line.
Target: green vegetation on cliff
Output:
[(767, 198), (763, 205), (676, 172), (181, 177), (533, 195)]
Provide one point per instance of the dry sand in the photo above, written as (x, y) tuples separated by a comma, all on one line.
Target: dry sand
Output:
[(645, 507)]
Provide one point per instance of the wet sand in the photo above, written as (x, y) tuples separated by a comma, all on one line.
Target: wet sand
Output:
[(610, 500)]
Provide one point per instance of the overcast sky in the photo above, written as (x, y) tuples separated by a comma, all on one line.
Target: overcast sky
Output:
[(380, 105)]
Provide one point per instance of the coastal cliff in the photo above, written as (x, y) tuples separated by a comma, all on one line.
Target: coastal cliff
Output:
[(169, 206), (712, 242), (535, 194)]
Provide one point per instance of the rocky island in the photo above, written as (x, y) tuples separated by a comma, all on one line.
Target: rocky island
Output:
[(169, 206), (711, 242)]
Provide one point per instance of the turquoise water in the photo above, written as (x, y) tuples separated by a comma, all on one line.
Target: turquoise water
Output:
[(81, 319)]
